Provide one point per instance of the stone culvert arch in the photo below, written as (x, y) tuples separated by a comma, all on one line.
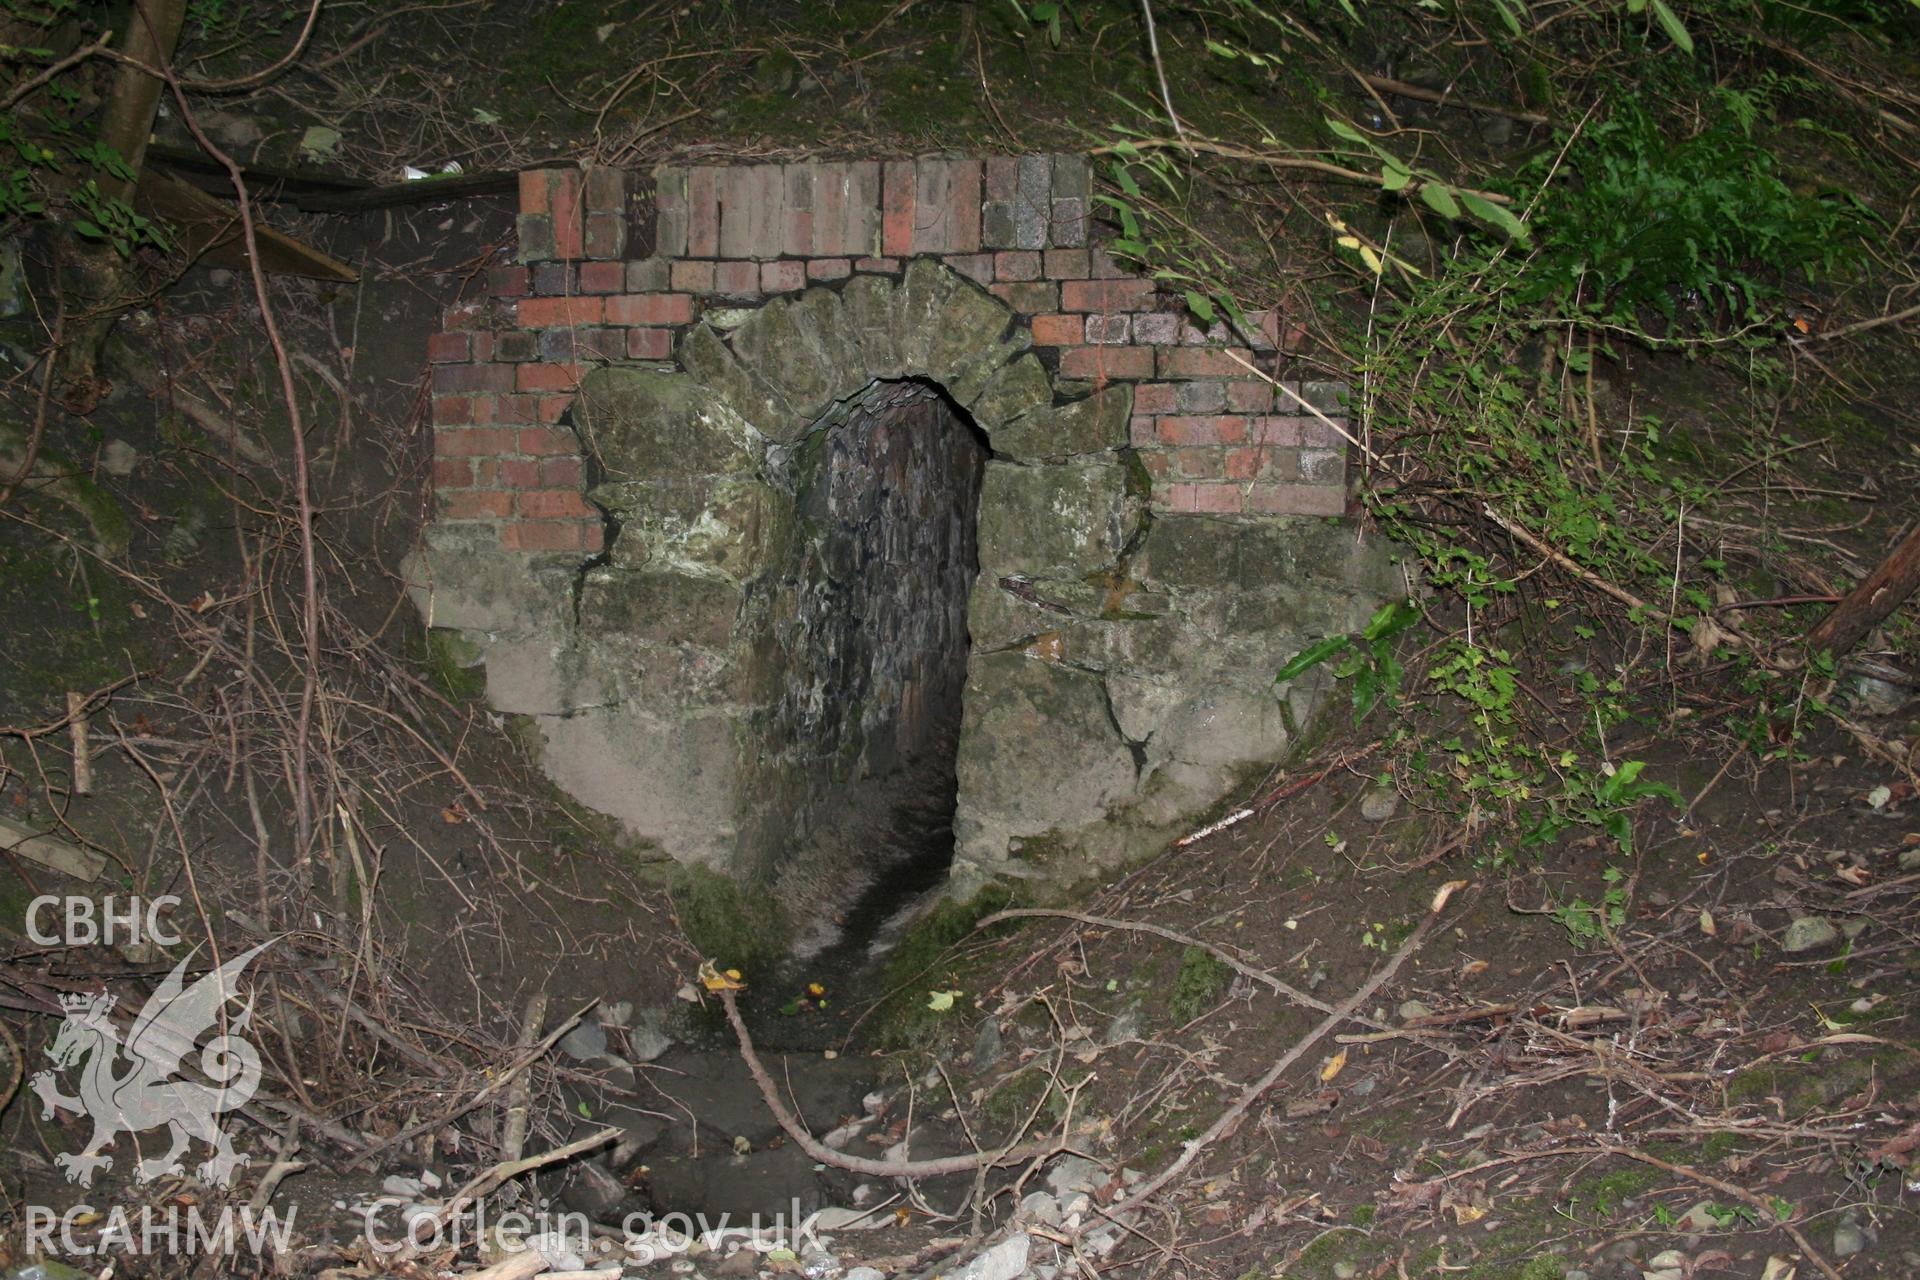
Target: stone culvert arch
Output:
[(783, 603)]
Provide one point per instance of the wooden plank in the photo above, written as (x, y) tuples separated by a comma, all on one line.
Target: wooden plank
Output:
[(209, 231), (50, 851)]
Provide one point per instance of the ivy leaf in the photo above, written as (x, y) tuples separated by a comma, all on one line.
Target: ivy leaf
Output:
[(942, 1001), (1395, 176), (1439, 199), (1201, 306)]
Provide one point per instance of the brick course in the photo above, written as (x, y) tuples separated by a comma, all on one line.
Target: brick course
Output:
[(1215, 436)]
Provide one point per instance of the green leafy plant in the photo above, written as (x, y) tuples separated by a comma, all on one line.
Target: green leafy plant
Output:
[(1587, 923), (1635, 218), (1365, 658)]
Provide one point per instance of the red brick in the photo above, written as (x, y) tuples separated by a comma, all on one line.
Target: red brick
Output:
[(606, 189), (1310, 432), (516, 473), (514, 410), (568, 225), (464, 315), (784, 276), (1110, 330), (1106, 295), (1059, 331), (977, 267), (882, 266), (606, 235), (603, 277), (554, 504), (553, 408), (703, 212), (963, 207), (470, 379), (1154, 397), (828, 268), (739, 279), (1107, 363), (561, 473), (1104, 266), (896, 209), (1002, 177), (1203, 362), (799, 182), (475, 504), (1140, 431), (550, 535), (549, 377), (547, 441), (1029, 297), (1182, 429), (1065, 264), (543, 313), (593, 536), (449, 346), (473, 442), (693, 277), (451, 410), (482, 347), (452, 473), (1159, 328), (649, 344), (1200, 464), (1297, 499), (1215, 498), (1156, 463), (1023, 264), (533, 191), (1243, 464), (1249, 397), (650, 308), (507, 282)]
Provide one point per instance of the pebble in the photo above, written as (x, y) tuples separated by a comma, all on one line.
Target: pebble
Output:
[(865, 1273), (1850, 1238), (1071, 1174), (119, 458), (1807, 933), (986, 1045), (1345, 1271), (1379, 803), (1005, 1261), (1414, 1009)]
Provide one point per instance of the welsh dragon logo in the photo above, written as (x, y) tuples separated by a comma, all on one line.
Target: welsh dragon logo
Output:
[(145, 1096)]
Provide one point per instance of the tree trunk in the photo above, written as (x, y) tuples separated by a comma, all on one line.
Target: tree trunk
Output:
[(97, 272), (1878, 595)]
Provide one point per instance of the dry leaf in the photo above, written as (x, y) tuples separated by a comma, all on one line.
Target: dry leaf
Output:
[(1778, 1268), (1707, 926)]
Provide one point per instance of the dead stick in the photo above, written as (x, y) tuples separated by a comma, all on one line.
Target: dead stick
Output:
[(1231, 1117), (506, 1169), (513, 1139), (82, 751), (860, 1164), (1227, 958), (1738, 1193)]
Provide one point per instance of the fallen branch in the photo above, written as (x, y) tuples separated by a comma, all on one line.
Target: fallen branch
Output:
[(1230, 1119), (826, 1155)]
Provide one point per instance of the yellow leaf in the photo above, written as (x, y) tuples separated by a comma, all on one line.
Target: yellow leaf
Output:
[(1465, 1213), (942, 1000), (1707, 926), (1372, 260), (713, 980), (1333, 1066), (815, 989)]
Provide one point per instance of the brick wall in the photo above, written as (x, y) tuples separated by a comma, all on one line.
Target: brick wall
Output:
[(616, 267)]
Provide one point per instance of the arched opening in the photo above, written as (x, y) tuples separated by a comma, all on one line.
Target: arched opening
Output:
[(869, 617)]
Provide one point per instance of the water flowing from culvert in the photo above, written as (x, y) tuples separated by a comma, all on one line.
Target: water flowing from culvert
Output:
[(874, 656)]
